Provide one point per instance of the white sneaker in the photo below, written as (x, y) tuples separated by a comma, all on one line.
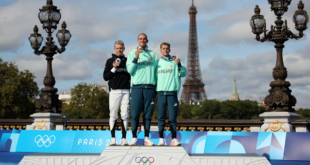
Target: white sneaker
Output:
[(175, 142), (148, 142), (124, 142), (161, 142), (134, 142), (113, 142)]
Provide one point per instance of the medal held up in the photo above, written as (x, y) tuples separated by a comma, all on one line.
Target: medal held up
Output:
[(140, 48)]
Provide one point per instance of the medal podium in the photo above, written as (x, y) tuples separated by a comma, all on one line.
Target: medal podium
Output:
[(143, 155), (198, 148), (163, 155), (154, 155)]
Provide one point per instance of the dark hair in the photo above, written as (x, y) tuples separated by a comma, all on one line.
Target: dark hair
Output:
[(165, 43)]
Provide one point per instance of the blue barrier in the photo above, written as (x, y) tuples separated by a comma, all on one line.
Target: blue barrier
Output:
[(274, 146)]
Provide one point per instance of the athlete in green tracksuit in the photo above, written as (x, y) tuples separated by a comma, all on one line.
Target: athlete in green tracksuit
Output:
[(141, 64), (169, 73)]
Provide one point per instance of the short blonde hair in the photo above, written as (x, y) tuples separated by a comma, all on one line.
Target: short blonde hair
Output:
[(165, 43), (119, 42)]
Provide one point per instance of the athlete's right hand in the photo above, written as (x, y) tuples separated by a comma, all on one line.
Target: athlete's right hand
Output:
[(137, 52), (115, 64)]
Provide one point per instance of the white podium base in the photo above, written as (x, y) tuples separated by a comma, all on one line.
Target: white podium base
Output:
[(58, 159), (126, 155), (156, 155), (229, 159)]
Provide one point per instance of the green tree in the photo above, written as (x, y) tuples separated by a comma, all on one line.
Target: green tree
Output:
[(305, 113), (244, 109), (18, 91), (87, 102), (207, 110), (185, 111)]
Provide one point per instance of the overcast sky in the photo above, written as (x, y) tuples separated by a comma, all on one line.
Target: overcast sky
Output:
[(226, 44)]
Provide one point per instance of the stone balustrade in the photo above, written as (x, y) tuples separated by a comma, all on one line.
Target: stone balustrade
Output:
[(301, 125)]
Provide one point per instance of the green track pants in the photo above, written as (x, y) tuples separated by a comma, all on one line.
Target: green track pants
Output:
[(142, 100), (173, 108)]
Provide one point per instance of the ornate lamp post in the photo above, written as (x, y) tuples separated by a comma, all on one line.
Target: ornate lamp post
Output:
[(49, 16), (280, 98)]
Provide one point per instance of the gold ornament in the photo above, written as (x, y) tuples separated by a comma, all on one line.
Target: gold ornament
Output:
[(40, 125), (275, 126)]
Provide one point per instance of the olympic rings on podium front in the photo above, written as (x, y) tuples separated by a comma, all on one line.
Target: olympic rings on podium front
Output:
[(144, 160), (150, 158)]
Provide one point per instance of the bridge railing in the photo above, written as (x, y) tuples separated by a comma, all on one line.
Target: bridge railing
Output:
[(183, 125), (301, 125), (19, 124)]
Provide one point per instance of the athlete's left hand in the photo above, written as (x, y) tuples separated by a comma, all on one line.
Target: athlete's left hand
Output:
[(177, 60)]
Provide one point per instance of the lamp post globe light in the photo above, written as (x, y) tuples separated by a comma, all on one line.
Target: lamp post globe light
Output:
[(49, 17), (279, 98)]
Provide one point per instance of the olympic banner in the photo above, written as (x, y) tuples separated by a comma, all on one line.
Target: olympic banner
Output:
[(45, 141), (8, 140), (273, 145), (65, 141)]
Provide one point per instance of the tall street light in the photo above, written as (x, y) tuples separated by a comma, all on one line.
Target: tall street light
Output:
[(49, 17), (279, 98)]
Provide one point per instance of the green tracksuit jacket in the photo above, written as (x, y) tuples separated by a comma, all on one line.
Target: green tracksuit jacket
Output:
[(144, 67), (169, 75)]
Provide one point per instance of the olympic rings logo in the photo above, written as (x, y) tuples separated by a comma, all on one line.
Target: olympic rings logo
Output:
[(144, 160), (44, 141)]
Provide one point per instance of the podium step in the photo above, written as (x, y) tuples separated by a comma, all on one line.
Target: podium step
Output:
[(154, 155), (58, 159), (150, 155), (229, 159)]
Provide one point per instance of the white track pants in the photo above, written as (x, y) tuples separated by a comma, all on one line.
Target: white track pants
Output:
[(119, 98)]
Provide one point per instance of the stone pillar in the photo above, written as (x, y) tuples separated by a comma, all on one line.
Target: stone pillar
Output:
[(301, 125), (302, 129), (278, 121), (254, 129), (43, 121), (60, 127)]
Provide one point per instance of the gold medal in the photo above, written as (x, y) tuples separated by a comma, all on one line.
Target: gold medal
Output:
[(140, 48)]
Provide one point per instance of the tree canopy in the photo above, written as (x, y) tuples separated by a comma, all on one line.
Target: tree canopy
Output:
[(207, 110), (18, 91), (305, 113), (88, 101), (243, 109), (211, 109)]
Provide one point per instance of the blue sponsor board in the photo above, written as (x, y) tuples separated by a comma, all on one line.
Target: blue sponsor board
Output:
[(46, 141), (64, 141), (274, 146), (8, 140)]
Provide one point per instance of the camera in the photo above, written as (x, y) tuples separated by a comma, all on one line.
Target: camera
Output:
[(64, 120)]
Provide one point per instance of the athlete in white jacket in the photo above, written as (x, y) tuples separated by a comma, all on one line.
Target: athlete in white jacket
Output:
[(119, 85)]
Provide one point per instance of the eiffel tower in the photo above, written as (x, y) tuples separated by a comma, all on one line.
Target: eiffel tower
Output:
[(193, 88)]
